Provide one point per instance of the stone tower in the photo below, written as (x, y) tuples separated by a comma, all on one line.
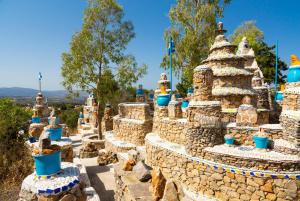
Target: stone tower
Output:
[(251, 65), (231, 81), (203, 114)]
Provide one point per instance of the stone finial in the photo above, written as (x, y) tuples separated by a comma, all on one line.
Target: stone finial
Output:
[(220, 30), (246, 100), (173, 98), (163, 76), (35, 113), (140, 86), (52, 114)]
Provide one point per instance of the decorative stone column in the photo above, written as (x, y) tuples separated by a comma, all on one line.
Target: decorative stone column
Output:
[(203, 82), (107, 120), (204, 128), (174, 108), (247, 114)]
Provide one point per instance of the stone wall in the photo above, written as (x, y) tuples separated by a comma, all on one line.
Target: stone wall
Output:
[(131, 130), (200, 136), (291, 127), (291, 101), (241, 81), (262, 97), (244, 135), (172, 130), (220, 182), (138, 111)]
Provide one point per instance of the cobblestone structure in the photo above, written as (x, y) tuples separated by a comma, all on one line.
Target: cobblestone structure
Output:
[(251, 65), (130, 127), (191, 151), (231, 80)]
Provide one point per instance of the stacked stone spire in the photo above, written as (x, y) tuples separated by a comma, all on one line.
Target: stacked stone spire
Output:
[(251, 65), (245, 51), (231, 80)]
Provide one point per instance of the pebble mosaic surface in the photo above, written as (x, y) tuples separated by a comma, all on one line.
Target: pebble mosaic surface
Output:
[(109, 136), (251, 152), (156, 141), (197, 196), (67, 179), (63, 142)]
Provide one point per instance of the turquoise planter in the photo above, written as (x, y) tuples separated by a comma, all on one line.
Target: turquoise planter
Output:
[(140, 92), (163, 99), (190, 90), (184, 104), (81, 116), (36, 120), (47, 164), (261, 142), (178, 96), (55, 133), (293, 74), (151, 96), (279, 96), (229, 141)]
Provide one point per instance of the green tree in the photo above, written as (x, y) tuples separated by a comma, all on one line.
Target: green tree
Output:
[(96, 60), (265, 54), (193, 25)]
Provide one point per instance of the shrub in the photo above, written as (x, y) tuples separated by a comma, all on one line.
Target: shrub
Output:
[(15, 161)]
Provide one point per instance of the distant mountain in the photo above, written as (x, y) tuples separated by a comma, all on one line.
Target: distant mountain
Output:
[(27, 92)]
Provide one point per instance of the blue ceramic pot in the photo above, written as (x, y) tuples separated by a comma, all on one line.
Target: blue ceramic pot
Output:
[(151, 96), (293, 74), (229, 141), (279, 96), (55, 133), (261, 142), (190, 90), (32, 139), (178, 96), (47, 164), (140, 92), (81, 116), (163, 99), (36, 120), (184, 104)]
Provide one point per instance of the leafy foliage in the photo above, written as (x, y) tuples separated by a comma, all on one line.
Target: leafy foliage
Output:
[(96, 62), (193, 25), (265, 55), (14, 157)]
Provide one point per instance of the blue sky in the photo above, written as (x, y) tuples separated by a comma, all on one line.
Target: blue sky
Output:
[(34, 33)]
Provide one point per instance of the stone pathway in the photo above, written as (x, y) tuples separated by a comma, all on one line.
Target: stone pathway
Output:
[(101, 177)]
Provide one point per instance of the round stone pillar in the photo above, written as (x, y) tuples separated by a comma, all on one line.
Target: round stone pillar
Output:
[(203, 82)]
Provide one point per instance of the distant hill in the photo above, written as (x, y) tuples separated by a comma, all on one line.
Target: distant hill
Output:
[(19, 93)]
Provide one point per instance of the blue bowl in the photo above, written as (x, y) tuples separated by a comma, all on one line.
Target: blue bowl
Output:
[(32, 139), (55, 133), (163, 99), (184, 104), (140, 92), (293, 74), (261, 142), (47, 164), (36, 120), (279, 96), (229, 141)]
